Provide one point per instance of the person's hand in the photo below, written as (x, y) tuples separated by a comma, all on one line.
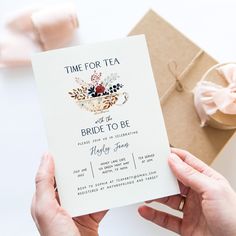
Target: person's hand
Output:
[(210, 202), (50, 218)]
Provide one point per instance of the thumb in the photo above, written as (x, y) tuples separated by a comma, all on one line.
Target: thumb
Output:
[(44, 179), (189, 176)]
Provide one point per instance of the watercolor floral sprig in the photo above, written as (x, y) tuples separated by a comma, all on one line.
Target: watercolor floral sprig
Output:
[(96, 87)]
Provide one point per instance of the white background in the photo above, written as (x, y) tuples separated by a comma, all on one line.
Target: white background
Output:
[(209, 23)]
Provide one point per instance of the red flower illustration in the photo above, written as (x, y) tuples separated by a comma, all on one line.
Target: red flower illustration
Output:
[(100, 89)]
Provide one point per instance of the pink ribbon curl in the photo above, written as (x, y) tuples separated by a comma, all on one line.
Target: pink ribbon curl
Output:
[(36, 29), (210, 97)]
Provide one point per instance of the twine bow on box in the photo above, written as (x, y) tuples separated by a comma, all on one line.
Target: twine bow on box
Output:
[(179, 76), (210, 97)]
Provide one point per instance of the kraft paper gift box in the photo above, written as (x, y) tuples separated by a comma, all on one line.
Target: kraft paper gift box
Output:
[(225, 161), (176, 59)]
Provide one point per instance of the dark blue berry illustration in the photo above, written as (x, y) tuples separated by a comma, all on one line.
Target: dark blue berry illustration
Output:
[(91, 90)]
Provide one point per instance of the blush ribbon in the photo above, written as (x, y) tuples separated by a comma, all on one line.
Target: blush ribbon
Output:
[(36, 29), (210, 97)]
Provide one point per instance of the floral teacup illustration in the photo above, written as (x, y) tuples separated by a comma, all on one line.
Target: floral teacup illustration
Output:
[(99, 95)]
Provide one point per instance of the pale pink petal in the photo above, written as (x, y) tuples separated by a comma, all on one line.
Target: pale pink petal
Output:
[(16, 50), (55, 26)]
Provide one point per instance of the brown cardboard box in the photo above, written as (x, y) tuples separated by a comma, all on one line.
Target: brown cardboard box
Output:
[(174, 57), (225, 161)]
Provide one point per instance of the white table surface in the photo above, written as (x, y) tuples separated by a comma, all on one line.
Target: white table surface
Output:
[(209, 23)]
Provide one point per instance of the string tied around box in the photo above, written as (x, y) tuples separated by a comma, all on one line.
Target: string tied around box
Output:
[(173, 69)]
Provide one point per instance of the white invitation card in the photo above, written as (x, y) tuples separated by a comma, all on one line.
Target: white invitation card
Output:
[(104, 125)]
